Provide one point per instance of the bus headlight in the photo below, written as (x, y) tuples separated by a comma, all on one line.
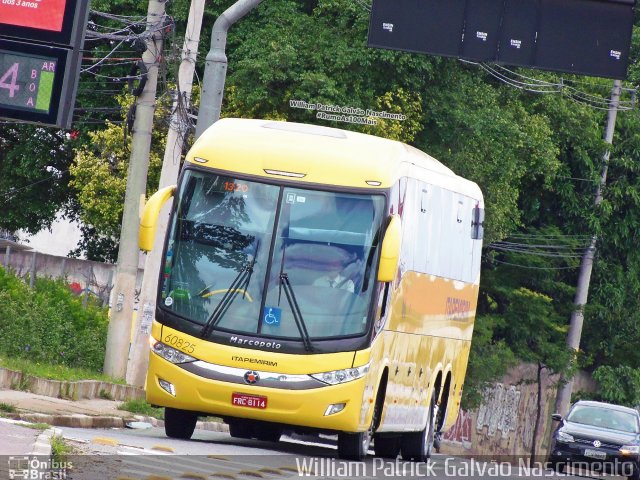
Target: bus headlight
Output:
[(170, 354), (341, 376)]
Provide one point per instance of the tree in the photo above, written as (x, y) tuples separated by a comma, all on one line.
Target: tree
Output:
[(99, 177), (34, 176)]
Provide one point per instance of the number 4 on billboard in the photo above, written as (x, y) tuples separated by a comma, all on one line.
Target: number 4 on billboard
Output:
[(12, 86)]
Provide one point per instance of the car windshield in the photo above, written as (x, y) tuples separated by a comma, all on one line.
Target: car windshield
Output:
[(604, 418), (253, 258)]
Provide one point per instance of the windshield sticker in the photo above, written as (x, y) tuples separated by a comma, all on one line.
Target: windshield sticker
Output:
[(168, 301), (291, 197), (300, 199), (272, 315)]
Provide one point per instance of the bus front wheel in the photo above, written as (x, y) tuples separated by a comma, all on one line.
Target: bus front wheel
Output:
[(417, 446), (353, 446), (179, 423)]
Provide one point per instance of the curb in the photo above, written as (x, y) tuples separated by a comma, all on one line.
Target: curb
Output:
[(42, 447), (87, 421)]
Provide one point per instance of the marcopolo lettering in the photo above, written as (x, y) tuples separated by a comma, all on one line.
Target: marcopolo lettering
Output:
[(255, 343)]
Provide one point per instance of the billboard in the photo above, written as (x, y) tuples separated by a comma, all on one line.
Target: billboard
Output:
[(40, 56), (42, 20), (590, 37)]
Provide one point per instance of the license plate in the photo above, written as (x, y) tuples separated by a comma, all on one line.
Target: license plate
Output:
[(250, 401), (595, 454)]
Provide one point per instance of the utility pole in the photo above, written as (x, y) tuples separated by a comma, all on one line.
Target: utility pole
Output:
[(563, 399), (123, 294), (178, 130), (215, 71)]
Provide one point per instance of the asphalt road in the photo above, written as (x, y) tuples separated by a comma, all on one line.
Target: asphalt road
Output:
[(125, 454)]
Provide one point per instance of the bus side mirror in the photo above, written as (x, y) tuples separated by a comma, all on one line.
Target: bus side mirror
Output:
[(390, 254), (149, 220)]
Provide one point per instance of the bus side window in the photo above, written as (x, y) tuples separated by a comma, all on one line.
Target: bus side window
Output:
[(477, 223)]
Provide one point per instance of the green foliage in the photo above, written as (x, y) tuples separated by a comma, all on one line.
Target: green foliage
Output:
[(34, 177), (53, 371), (141, 407), (60, 449), (620, 384), (99, 176), (105, 395), (7, 407), (50, 325)]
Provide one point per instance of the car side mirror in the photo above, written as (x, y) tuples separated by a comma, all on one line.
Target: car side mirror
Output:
[(556, 417)]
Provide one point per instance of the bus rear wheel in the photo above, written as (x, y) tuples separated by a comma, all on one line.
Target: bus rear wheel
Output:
[(386, 447), (417, 446), (179, 423)]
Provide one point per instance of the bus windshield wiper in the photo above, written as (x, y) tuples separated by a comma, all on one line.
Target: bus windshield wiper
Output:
[(295, 310), (239, 284)]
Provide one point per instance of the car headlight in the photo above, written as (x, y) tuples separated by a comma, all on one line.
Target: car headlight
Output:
[(564, 437), (630, 450), (169, 353), (341, 376)]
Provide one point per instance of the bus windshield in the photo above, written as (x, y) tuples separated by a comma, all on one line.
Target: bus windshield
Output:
[(254, 258)]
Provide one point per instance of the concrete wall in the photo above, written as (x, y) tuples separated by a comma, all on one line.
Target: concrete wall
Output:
[(95, 277), (503, 425), (14, 380)]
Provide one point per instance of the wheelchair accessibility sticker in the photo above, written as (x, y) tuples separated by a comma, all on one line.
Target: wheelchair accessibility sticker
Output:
[(271, 316)]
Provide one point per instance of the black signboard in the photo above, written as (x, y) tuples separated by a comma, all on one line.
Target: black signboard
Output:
[(51, 21), (590, 37), (36, 83), (40, 54)]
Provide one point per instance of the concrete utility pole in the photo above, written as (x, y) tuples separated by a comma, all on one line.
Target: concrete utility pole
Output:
[(178, 130), (215, 71), (123, 294), (563, 399)]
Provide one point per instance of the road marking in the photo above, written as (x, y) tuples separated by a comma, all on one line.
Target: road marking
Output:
[(250, 473), (194, 476), (270, 471), (163, 448), (105, 441)]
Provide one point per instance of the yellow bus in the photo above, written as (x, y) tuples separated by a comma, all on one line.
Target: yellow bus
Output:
[(314, 279)]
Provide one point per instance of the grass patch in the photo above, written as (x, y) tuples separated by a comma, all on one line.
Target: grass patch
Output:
[(54, 372), (7, 407), (141, 407), (60, 449), (37, 426), (105, 395)]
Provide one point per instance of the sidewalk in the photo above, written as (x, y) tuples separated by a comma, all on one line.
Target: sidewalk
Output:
[(86, 413), (60, 412)]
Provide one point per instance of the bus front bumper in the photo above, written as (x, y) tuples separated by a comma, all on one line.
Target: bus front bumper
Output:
[(186, 390)]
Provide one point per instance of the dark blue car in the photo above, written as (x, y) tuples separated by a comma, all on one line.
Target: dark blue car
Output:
[(599, 437)]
